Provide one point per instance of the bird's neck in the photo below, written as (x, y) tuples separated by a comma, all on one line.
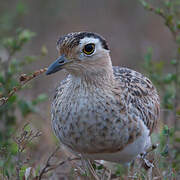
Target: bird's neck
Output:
[(90, 81), (100, 75)]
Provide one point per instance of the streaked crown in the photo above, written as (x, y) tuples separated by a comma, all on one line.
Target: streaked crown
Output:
[(72, 40)]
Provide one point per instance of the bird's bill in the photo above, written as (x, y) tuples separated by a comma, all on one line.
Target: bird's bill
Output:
[(57, 65)]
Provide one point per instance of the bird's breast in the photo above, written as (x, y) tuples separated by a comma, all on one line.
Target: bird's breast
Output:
[(88, 120)]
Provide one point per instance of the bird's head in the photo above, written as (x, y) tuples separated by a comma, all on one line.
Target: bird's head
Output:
[(81, 53)]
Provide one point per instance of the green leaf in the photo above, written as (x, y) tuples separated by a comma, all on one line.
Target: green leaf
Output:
[(169, 19), (94, 166), (26, 107), (177, 140), (2, 78), (39, 99), (100, 167), (27, 128), (25, 36), (145, 4), (13, 148), (159, 11), (12, 99), (178, 24), (178, 112), (119, 170), (165, 151), (10, 43), (7, 173), (21, 8), (165, 130), (37, 170), (168, 4), (173, 61), (169, 78), (22, 171)]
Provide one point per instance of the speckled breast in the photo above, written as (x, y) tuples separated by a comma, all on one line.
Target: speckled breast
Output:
[(92, 124)]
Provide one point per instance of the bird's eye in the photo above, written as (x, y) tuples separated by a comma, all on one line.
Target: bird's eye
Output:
[(89, 49)]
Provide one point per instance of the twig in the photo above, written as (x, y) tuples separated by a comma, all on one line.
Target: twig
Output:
[(48, 167), (47, 163), (22, 140), (169, 23), (24, 79)]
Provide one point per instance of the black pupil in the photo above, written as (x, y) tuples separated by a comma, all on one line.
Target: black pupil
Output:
[(89, 48)]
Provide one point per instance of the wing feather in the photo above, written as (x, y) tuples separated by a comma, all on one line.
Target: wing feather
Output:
[(139, 95)]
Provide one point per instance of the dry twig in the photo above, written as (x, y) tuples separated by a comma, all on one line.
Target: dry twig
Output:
[(22, 140), (24, 79), (48, 167)]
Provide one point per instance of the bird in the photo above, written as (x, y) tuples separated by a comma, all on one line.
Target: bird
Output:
[(101, 111)]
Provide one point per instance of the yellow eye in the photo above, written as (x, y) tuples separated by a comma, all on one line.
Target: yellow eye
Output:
[(89, 48)]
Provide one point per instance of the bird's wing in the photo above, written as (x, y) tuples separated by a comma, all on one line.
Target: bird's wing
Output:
[(139, 95)]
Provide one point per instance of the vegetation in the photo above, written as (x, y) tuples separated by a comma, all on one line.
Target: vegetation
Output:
[(168, 83), (163, 162), (11, 147)]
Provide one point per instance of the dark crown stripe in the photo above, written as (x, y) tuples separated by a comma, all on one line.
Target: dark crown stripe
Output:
[(76, 37)]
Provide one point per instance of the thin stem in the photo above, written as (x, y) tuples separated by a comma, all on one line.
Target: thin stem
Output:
[(24, 79)]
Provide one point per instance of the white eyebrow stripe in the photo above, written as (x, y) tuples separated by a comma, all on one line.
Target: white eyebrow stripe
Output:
[(88, 40)]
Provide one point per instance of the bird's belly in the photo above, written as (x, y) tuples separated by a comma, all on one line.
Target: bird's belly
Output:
[(90, 131), (102, 136), (96, 126), (126, 155)]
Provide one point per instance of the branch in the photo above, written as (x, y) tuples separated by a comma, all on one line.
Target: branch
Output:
[(173, 26), (24, 79), (48, 167), (167, 17)]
